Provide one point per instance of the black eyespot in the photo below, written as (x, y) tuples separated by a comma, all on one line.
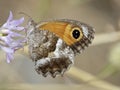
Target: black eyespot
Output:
[(76, 33)]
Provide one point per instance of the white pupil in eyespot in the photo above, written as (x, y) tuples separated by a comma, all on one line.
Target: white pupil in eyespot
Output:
[(76, 34)]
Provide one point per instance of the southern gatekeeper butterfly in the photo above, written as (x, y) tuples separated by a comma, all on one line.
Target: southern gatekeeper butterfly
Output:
[(53, 44)]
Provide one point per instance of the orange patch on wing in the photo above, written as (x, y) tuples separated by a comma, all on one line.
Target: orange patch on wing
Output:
[(61, 29), (67, 35), (56, 27)]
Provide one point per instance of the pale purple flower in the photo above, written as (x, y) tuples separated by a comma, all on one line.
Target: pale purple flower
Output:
[(10, 37)]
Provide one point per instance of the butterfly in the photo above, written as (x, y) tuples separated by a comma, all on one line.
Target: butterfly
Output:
[(54, 44)]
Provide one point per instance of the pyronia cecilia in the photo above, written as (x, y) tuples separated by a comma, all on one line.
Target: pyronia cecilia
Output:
[(53, 44)]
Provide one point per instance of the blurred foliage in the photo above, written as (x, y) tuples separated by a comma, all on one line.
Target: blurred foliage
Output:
[(98, 13), (113, 66), (77, 2), (114, 56)]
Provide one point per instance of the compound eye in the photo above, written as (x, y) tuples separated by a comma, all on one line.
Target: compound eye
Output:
[(76, 33)]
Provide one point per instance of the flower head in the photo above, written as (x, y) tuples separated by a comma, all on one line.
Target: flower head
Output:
[(10, 37)]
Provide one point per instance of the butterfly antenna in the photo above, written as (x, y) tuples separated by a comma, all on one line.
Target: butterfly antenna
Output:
[(23, 13), (30, 18)]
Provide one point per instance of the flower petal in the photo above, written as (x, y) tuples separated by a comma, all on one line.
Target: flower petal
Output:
[(10, 17), (17, 22), (8, 20), (18, 44), (9, 57), (13, 24), (10, 33), (7, 39), (7, 49), (14, 34), (18, 28)]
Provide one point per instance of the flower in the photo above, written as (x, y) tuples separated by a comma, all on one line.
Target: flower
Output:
[(10, 37)]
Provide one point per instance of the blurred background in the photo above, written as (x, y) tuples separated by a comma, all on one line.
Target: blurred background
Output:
[(102, 59)]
